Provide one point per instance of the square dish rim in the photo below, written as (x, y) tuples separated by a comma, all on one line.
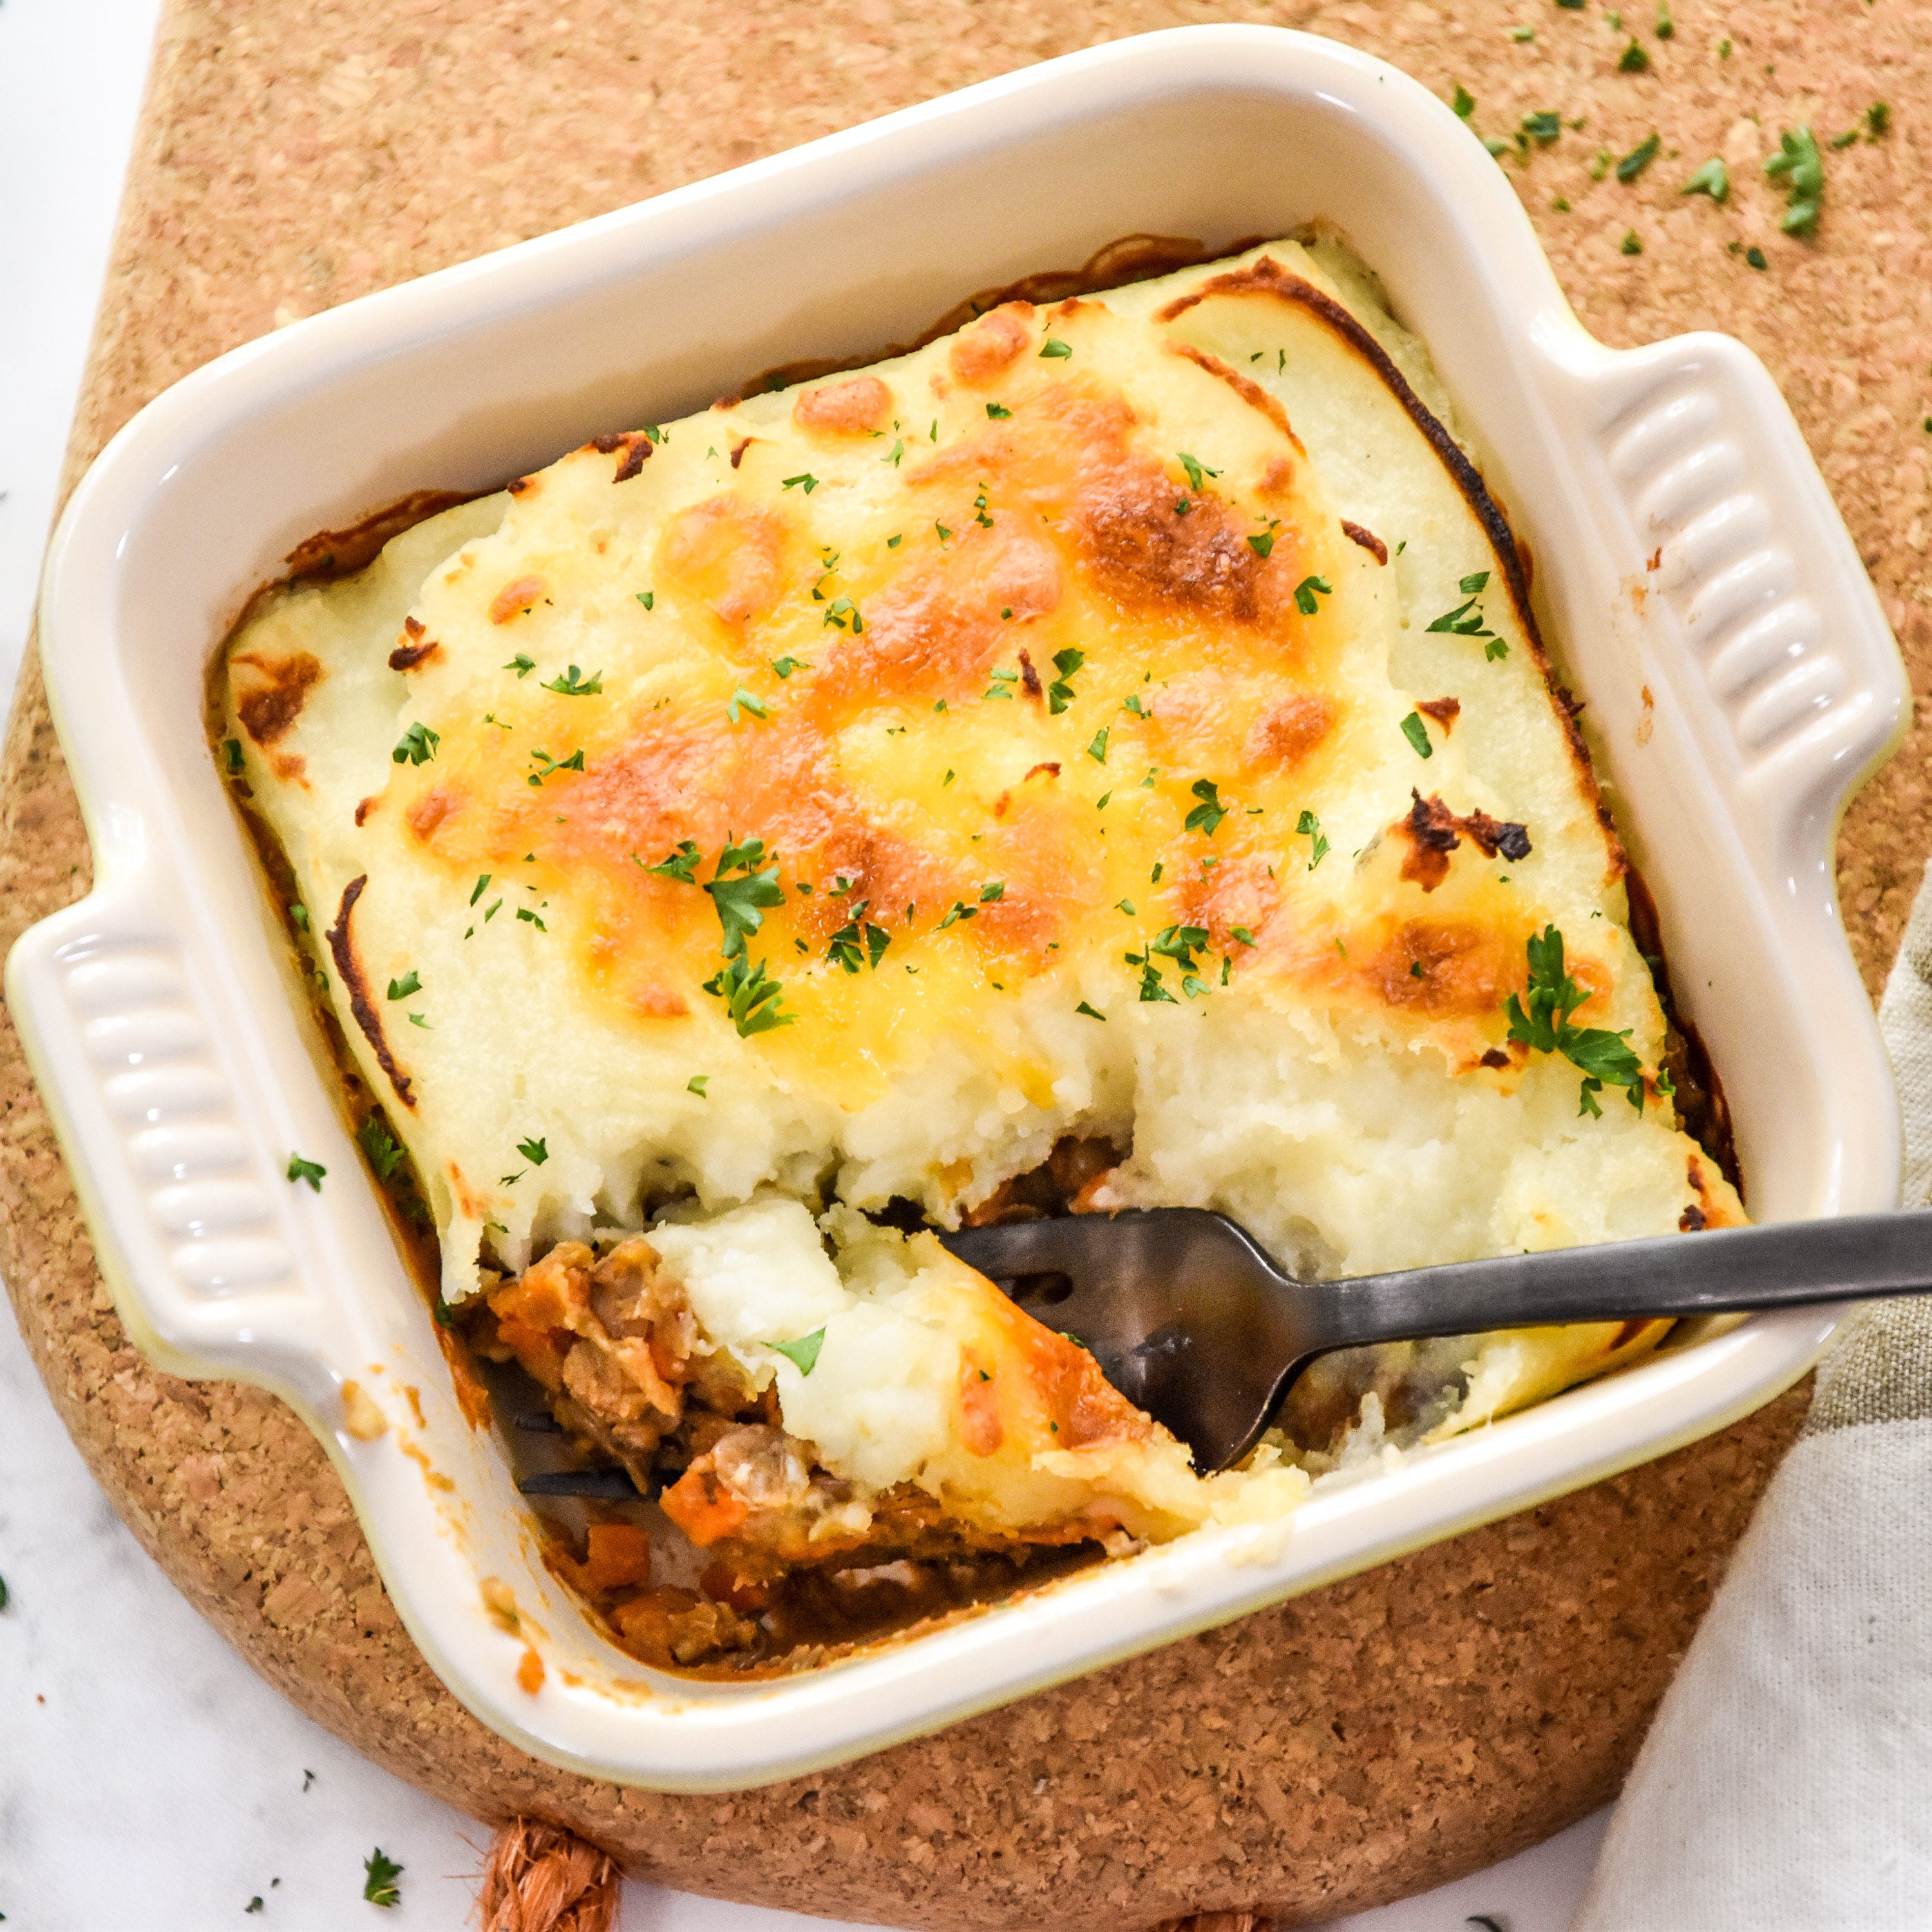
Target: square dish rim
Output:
[(822, 1714)]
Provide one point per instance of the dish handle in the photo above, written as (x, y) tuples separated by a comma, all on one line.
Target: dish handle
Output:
[(1795, 688), (163, 1132)]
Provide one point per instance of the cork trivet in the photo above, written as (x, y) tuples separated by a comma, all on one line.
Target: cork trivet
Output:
[(1392, 1731)]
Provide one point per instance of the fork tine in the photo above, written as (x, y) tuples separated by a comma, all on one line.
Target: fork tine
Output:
[(613, 1484), (1057, 1246)]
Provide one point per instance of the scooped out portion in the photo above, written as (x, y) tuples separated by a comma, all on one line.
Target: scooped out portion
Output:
[(1104, 758), (833, 1395)]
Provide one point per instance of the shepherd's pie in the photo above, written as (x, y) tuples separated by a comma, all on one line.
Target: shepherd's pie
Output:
[(1102, 758)]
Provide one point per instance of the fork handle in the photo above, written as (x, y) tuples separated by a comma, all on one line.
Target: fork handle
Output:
[(1783, 1264)]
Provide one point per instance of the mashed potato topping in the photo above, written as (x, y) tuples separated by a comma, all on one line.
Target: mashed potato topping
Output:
[(1118, 725)]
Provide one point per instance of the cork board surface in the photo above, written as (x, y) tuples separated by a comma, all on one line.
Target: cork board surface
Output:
[(1383, 1734)]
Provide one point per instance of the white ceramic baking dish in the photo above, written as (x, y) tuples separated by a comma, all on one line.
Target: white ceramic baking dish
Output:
[(1737, 692)]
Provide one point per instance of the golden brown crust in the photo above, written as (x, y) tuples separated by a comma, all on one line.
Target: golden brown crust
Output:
[(268, 710), (1267, 277), (342, 949)]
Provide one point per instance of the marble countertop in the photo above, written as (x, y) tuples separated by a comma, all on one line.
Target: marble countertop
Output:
[(149, 1779)]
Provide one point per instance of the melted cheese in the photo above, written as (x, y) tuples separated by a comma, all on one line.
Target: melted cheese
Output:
[(1079, 677)]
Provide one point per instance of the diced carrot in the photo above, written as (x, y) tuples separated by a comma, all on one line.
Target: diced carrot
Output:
[(541, 1350), (723, 1585), (619, 1557), (703, 1507), (530, 1673)]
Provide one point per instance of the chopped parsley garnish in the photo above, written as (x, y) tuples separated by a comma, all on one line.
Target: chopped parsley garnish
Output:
[(417, 1020), (980, 515), (1522, 35), (231, 750), (1151, 989), (1467, 620), (1417, 733), (803, 1354), (298, 915), (1634, 60), (843, 948), (1463, 101), (534, 1151), (1639, 158), (1308, 592), (482, 880), (893, 543), (1667, 28), (1543, 127), (418, 747), (648, 599), (741, 699), (1630, 244), (1126, 906), (1713, 179), (1208, 813), (1839, 142), (783, 667), (1878, 120), (310, 1171), (681, 865), (1262, 544), (1798, 164), (1607, 1058), (1052, 351), (1096, 748), (546, 764), (1180, 944), (898, 452), (574, 684), (1134, 705), (521, 665), (992, 891), (696, 1084), (1153, 878), (1756, 258), (960, 911), (841, 608), (379, 1887), (805, 478), (524, 913), (998, 412), (1059, 694), (384, 1154), (1241, 933), (943, 532), (1196, 470), (741, 900), (410, 982), (750, 996), (1084, 1008), (1309, 827)]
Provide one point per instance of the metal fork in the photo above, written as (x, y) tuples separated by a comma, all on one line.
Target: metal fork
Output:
[(1193, 1322)]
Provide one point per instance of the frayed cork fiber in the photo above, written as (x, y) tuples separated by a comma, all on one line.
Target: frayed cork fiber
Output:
[(1383, 1734)]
